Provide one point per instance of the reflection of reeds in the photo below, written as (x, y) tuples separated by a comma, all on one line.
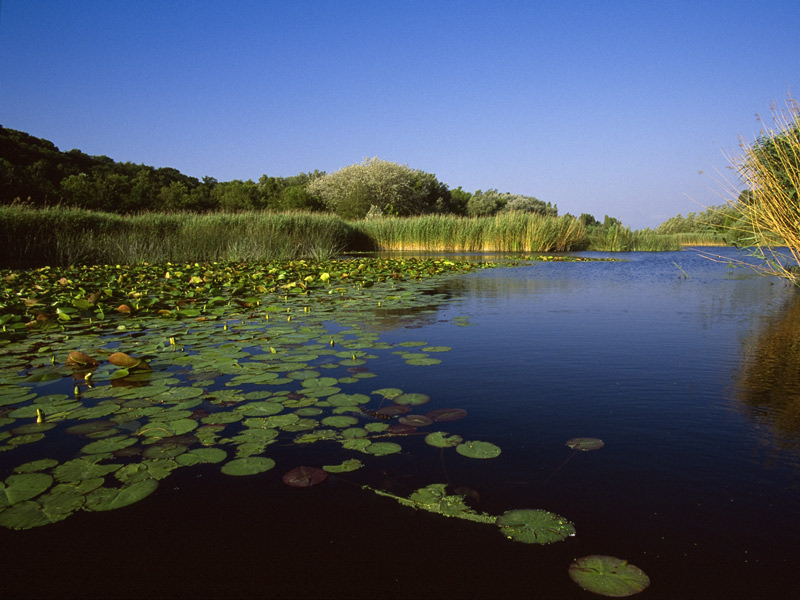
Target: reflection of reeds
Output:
[(770, 382)]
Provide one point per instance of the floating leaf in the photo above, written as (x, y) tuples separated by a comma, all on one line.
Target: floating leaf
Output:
[(608, 576), (125, 361), (389, 393), (110, 444), (304, 477), (251, 465), (476, 449), (434, 498), (447, 414), (112, 498), (440, 439), (412, 399), (202, 455), (36, 465), (383, 448), (532, 526), (347, 466), (341, 421), (585, 443), (18, 488), (79, 359), (415, 420)]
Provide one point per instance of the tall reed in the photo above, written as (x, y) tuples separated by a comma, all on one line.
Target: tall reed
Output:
[(770, 213), (63, 236), (505, 232)]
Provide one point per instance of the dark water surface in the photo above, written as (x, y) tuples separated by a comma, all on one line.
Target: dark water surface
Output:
[(691, 382)]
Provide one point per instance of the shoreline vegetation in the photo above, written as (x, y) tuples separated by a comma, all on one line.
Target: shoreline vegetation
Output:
[(61, 236)]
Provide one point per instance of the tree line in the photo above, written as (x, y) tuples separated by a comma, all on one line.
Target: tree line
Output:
[(35, 172)]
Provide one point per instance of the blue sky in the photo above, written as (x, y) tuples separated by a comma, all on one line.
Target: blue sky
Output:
[(606, 107)]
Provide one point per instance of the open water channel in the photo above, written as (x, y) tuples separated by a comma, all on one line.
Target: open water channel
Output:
[(686, 368)]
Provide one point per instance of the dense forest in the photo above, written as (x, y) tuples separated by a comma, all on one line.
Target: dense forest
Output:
[(35, 172)]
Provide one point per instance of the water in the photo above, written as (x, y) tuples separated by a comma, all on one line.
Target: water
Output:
[(686, 368)]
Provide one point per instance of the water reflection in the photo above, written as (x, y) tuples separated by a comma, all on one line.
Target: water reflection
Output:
[(769, 385)]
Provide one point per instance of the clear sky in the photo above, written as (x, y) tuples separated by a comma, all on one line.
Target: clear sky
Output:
[(599, 106)]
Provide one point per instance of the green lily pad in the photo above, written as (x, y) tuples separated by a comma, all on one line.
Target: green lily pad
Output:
[(27, 515), (585, 444), (347, 466), (112, 498), (389, 393), (111, 444), (36, 465), (608, 576), (83, 468), (341, 421), (260, 409), (412, 399), (250, 465), (476, 449), (533, 526), (383, 448), (18, 488), (201, 455), (440, 439)]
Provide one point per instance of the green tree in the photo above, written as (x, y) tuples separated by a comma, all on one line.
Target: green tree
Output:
[(391, 188), (484, 204)]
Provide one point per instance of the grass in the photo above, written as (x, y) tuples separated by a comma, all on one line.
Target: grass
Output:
[(770, 216), (506, 232), (58, 236), (64, 236), (623, 239)]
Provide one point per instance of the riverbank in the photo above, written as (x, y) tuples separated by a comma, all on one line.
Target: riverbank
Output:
[(59, 236)]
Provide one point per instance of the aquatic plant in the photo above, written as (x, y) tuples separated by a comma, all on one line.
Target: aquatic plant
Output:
[(770, 207)]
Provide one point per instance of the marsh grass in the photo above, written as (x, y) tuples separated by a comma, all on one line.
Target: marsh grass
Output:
[(58, 236), (506, 232), (64, 236), (623, 239)]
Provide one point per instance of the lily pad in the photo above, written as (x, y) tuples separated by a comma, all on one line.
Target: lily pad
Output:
[(383, 448), (608, 576), (250, 465), (412, 399), (477, 449), (18, 488), (585, 444), (347, 466), (533, 526), (341, 421), (440, 439), (112, 498), (447, 414), (304, 477), (415, 420)]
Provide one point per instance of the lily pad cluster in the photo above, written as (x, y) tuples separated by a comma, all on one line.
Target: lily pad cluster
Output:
[(136, 397), (113, 378)]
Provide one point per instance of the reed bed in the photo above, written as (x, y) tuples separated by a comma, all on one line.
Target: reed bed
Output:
[(64, 236), (506, 232), (623, 239)]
